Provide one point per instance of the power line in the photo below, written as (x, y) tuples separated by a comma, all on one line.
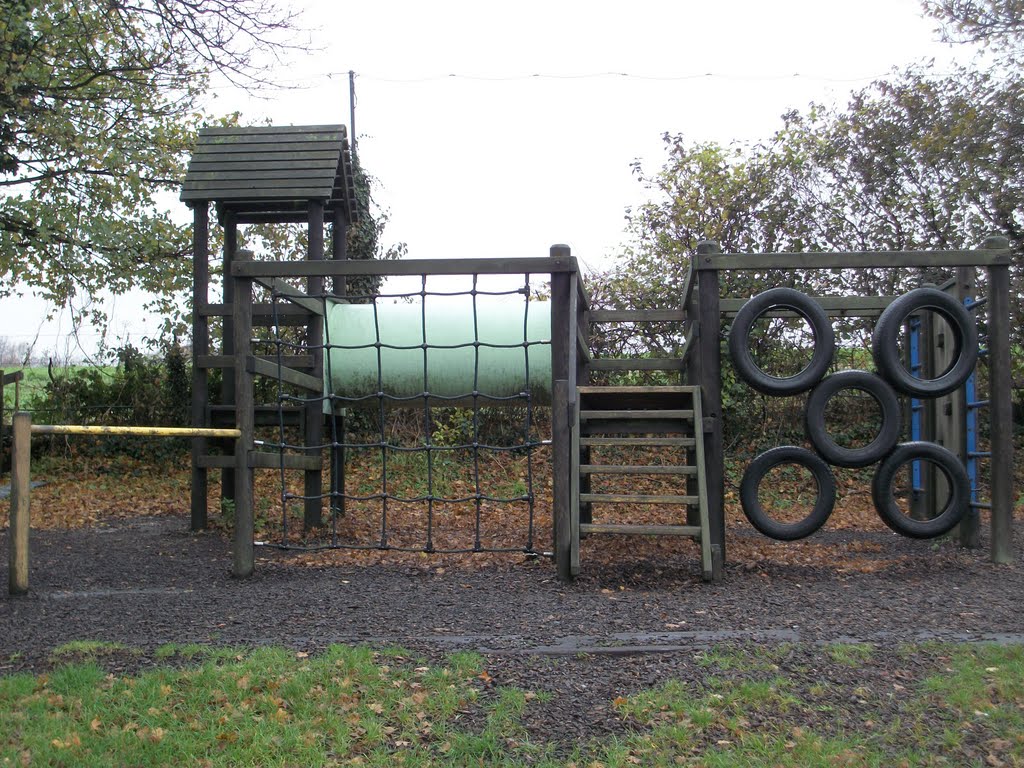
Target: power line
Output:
[(310, 79)]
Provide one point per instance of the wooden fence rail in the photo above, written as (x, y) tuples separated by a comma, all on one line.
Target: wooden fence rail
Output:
[(21, 460)]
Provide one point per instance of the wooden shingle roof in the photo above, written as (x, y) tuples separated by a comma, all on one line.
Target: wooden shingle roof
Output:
[(270, 174)]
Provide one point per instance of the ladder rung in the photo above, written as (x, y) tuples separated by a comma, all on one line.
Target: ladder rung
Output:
[(633, 469), (642, 530), (672, 390), (665, 442), (635, 498), (636, 414)]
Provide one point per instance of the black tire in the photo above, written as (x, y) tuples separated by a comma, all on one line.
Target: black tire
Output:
[(756, 513), (888, 434), (809, 310), (885, 342), (956, 504)]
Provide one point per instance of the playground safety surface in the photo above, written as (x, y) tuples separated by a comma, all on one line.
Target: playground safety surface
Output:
[(621, 626)]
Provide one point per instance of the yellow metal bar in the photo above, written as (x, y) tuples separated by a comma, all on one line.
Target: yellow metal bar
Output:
[(81, 429)]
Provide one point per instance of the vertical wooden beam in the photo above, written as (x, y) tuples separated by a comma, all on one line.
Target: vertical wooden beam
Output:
[(243, 559), (1001, 407), (968, 531), (927, 505), (561, 426), (339, 252), (314, 410), (227, 389), (709, 354), (21, 459), (691, 376), (561, 496), (2, 396), (200, 347)]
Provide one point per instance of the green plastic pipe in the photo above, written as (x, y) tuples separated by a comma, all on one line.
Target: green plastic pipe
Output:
[(447, 322)]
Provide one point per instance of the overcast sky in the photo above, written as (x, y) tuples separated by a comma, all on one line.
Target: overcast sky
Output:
[(498, 130)]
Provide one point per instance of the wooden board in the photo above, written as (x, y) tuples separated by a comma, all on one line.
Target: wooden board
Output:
[(853, 260), (641, 530), (538, 266)]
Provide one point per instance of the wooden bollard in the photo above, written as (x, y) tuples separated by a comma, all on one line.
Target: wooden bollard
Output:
[(21, 455)]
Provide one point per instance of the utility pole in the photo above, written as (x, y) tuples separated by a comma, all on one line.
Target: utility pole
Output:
[(352, 109)]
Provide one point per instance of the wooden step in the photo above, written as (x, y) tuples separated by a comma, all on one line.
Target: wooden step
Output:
[(634, 469), (638, 427), (641, 530), (638, 413), (651, 442), (623, 398), (635, 498)]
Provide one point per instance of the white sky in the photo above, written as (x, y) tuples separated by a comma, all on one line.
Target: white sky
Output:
[(498, 162)]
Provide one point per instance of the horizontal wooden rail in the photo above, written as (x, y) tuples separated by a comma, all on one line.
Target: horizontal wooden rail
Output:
[(982, 257), (287, 375), (82, 429), (637, 315), (637, 364), (21, 459), (834, 306), (311, 304), (265, 310), (228, 361), (537, 266)]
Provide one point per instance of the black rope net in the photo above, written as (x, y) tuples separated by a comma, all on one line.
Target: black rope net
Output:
[(433, 449)]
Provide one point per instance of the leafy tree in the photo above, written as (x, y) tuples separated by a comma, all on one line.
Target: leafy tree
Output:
[(916, 161), (998, 24), (100, 101)]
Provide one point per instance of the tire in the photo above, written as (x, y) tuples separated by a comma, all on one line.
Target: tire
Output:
[(956, 504), (759, 517), (810, 311), (885, 342), (888, 434)]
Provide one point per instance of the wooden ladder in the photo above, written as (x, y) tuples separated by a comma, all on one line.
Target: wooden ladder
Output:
[(612, 420)]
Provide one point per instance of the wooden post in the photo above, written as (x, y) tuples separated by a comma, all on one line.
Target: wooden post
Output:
[(561, 427), (1001, 407), (3, 386), (227, 389), (691, 376), (200, 347), (314, 409), (21, 459), (339, 252), (968, 531), (561, 501), (924, 505), (243, 556), (709, 355)]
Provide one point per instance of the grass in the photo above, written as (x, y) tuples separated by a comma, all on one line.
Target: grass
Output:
[(33, 385), (357, 706), (850, 654)]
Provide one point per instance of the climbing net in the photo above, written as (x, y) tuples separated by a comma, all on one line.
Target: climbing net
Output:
[(430, 400)]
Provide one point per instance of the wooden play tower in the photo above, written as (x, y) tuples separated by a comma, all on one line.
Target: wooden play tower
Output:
[(261, 175)]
